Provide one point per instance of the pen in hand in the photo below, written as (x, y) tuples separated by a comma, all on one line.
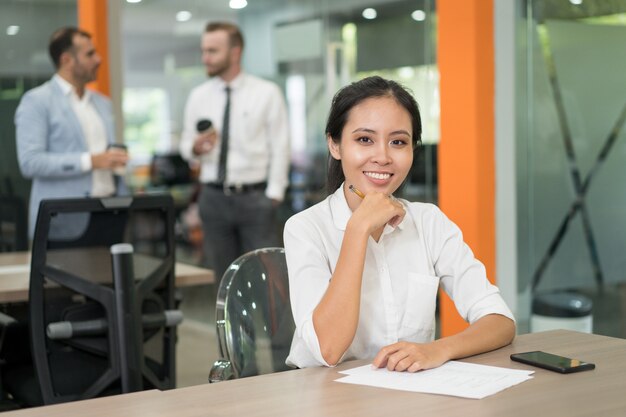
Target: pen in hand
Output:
[(393, 222), (356, 191)]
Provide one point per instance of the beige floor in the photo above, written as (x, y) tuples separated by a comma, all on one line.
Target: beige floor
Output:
[(197, 346), (196, 351)]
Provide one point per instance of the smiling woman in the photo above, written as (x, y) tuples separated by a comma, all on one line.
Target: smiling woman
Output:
[(364, 270), (376, 153), (362, 103)]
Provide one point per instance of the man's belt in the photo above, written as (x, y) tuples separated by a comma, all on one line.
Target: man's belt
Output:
[(237, 188)]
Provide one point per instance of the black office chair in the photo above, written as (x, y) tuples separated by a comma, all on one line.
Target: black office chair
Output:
[(101, 300), (13, 237), (253, 313), (169, 169)]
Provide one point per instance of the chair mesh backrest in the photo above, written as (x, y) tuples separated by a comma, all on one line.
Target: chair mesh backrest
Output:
[(254, 320), (72, 280)]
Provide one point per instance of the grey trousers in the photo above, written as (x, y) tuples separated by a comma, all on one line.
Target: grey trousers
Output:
[(235, 224)]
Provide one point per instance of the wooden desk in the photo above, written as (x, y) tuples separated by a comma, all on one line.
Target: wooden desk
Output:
[(313, 392), (15, 276)]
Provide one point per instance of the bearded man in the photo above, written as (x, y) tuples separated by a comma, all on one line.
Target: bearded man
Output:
[(243, 151), (64, 131)]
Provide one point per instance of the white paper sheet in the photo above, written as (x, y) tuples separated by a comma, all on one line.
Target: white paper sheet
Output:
[(459, 379)]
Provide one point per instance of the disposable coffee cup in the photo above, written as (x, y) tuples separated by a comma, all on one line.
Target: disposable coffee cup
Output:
[(121, 171)]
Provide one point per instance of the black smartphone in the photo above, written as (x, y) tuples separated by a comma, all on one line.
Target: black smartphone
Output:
[(552, 362)]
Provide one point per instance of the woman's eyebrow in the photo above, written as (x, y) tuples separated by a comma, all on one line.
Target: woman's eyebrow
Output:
[(363, 129), (395, 132), (401, 132)]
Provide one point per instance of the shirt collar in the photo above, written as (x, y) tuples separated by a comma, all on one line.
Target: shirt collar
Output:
[(339, 208), (234, 84), (68, 88), (341, 211)]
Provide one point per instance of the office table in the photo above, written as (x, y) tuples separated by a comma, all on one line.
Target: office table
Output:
[(313, 392), (15, 276)]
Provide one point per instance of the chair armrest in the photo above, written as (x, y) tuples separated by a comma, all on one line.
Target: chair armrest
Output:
[(6, 320), (67, 329)]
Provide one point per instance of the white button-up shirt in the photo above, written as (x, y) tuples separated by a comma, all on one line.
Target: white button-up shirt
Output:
[(95, 135), (258, 145), (401, 277)]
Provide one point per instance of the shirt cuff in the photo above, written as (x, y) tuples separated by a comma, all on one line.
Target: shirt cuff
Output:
[(313, 343), (85, 162), (492, 304), (275, 192)]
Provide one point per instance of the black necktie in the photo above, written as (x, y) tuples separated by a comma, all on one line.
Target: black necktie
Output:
[(221, 170)]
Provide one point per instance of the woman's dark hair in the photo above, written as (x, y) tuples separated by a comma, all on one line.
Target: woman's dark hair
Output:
[(350, 96), (62, 40)]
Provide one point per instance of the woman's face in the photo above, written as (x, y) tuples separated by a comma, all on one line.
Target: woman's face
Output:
[(375, 149)]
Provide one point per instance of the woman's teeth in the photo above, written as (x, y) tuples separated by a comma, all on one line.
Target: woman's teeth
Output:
[(378, 176)]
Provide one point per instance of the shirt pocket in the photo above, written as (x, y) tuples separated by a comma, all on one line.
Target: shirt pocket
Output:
[(421, 302), (253, 126)]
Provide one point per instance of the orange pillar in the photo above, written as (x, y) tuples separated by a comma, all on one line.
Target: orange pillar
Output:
[(465, 57), (93, 17)]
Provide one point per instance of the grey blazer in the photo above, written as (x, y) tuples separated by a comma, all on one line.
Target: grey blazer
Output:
[(50, 142)]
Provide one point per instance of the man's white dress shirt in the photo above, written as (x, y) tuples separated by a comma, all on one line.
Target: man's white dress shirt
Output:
[(402, 274), (95, 135), (258, 132)]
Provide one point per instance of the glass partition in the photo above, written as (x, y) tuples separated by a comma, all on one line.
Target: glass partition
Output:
[(572, 155), (25, 27), (309, 48)]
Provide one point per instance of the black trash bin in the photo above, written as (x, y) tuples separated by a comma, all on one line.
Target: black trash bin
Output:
[(561, 310)]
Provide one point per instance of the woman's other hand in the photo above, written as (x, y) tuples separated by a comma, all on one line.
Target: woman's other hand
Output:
[(410, 357)]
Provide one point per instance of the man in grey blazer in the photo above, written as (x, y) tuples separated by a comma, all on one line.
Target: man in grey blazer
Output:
[(64, 131)]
